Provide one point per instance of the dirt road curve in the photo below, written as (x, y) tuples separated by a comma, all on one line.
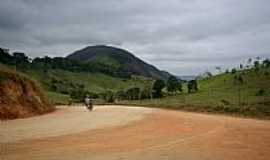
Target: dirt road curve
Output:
[(117, 133)]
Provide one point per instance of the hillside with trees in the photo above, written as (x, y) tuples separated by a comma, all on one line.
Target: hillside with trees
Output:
[(243, 90), (66, 80), (116, 62)]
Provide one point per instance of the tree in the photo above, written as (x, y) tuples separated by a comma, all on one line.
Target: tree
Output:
[(218, 68), (20, 57), (157, 88), (133, 93), (233, 71), (249, 61), (108, 96), (241, 66), (21, 60), (179, 86), (256, 65), (266, 63), (238, 80), (146, 89), (5, 57), (172, 84), (192, 86)]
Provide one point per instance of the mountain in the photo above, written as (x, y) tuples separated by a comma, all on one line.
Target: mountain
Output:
[(187, 77), (119, 60)]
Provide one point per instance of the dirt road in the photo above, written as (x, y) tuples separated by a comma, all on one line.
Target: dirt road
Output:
[(118, 132)]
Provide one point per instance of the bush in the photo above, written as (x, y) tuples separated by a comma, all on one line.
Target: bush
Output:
[(192, 86), (233, 71), (260, 92), (108, 96), (225, 102), (157, 88), (133, 93)]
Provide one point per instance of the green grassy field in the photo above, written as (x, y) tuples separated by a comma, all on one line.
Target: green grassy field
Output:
[(220, 94), (92, 82)]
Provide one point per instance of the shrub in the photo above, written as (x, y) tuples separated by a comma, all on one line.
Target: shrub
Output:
[(157, 88), (260, 92), (233, 71), (225, 102)]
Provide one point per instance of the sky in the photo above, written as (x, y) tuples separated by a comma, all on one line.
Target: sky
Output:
[(183, 37)]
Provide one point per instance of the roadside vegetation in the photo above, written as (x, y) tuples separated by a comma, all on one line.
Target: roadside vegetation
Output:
[(244, 90), (67, 81)]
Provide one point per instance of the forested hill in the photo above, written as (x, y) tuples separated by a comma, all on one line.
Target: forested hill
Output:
[(118, 61)]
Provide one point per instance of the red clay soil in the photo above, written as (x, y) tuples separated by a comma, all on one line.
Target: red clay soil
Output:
[(160, 135), (20, 97)]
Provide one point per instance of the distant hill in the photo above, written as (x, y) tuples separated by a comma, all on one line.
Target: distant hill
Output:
[(119, 60), (186, 78)]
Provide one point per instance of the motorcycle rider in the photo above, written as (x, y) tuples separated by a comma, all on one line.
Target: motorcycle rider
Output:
[(88, 102)]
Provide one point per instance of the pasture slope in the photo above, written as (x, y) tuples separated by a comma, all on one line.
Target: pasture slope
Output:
[(222, 94)]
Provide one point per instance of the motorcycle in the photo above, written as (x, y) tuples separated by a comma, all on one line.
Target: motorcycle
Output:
[(89, 106)]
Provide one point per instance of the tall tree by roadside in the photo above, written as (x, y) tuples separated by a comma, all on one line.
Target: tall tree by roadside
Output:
[(172, 84), (192, 86), (179, 86), (5, 57), (266, 63), (157, 88)]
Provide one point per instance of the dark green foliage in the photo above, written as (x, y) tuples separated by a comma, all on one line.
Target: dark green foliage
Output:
[(256, 65), (133, 93), (5, 57), (145, 93), (121, 95), (78, 95), (233, 71), (192, 86), (260, 92), (241, 66), (180, 86), (225, 102), (172, 84), (108, 96), (157, 88), (108, 60), (266, 63), (238, 79), (20, 58)]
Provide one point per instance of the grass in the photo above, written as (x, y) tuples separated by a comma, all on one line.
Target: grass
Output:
[(219, 94), (58, 98), (93, 82)]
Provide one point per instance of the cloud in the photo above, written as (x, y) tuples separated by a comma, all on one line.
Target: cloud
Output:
[(180, 36)]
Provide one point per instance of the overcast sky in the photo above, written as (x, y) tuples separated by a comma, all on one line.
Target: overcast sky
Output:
[(183, 37)]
